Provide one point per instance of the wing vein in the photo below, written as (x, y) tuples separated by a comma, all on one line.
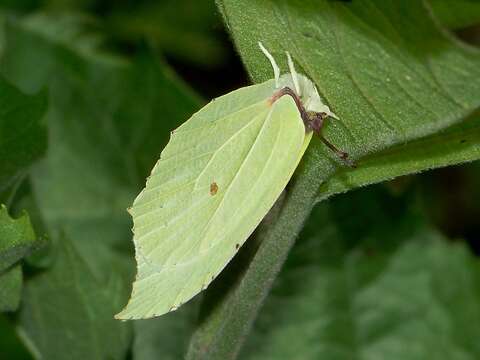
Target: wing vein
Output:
[(202, 239), (225, 144)]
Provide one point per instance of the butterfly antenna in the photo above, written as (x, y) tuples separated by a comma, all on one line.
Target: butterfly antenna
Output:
[(276, 69), (294, 74)]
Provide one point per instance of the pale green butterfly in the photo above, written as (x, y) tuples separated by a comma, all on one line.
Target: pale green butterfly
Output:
[(216, 179)]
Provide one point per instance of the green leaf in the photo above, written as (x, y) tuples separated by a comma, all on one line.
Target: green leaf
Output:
[(67, 310), (457, 14), (108, 120), (391, 79), (355, 289), (22, 141), (17, 240), (185, 30), (22, 135), (458, 144), (77, 31), (388, 83), (18, 5), (10, 288), (10, 343), (165, 337)]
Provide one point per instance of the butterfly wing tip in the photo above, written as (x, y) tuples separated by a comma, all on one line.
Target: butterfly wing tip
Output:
[(125, 316), (120, 316)]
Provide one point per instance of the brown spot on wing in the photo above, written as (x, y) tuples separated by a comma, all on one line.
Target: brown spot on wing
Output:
[(213, 188)]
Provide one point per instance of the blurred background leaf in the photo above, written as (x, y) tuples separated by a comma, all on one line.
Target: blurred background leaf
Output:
[(22, 136), (67, 309), (22, 141), (186, 30), (456, 14), (353, 288), (10, 345), (165, 337), (108, 119)]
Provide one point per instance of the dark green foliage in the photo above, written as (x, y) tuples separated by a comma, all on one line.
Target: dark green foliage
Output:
[(22, 134)]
